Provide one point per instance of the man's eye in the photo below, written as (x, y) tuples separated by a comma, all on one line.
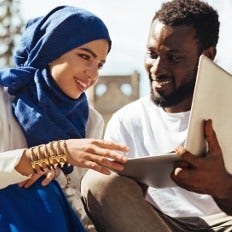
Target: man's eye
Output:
[(174, 59)]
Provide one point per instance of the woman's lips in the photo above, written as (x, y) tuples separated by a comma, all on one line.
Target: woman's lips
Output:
[(81, 85)]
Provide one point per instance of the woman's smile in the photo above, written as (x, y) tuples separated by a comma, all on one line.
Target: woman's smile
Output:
[(81, 85)]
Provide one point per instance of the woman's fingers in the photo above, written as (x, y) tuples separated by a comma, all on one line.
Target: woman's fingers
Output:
[(31, 181), (96, 154), (110, 154), (81, 147), (110, 145), (111, 164), (95, 166), (49, 176), (109, 149), (104, 169), (95, 161)]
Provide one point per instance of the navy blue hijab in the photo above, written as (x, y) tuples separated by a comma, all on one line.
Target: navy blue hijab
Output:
[(45, 114)]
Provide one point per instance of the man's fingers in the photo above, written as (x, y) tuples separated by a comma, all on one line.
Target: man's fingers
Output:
[(182, 164), (181, 177), (211, 137), (179, 174), (186, 156)]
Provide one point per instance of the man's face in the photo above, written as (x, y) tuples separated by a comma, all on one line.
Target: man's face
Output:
[(171, 62)]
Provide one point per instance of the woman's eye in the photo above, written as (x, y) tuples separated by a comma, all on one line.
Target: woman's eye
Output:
[(100, 66), (84, 56)]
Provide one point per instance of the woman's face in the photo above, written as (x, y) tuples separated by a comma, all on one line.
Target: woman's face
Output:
[(78, 69)]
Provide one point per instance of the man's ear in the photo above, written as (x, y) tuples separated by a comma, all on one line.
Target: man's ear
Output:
[(210, 52)]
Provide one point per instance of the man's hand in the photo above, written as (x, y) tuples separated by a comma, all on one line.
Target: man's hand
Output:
[(204, 174)]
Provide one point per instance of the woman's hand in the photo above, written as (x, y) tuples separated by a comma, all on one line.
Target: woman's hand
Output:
[(102, 156), (49, 176), (97, 154)]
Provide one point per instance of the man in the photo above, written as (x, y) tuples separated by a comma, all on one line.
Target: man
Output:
[(180, 32)]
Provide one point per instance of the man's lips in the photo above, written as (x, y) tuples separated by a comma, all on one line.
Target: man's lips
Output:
[(158, 83)]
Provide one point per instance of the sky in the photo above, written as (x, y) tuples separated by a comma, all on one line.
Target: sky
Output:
[(128, 22)]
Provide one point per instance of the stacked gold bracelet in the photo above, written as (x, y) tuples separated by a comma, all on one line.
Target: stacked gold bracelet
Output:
[(48, 155)]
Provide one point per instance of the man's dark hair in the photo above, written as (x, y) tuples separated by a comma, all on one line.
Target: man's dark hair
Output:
[(195, 13)]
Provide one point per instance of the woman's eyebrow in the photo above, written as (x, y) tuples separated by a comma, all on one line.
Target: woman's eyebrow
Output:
[(89, 51)]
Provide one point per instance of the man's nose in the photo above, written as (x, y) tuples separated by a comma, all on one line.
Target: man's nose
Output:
[(159, 67)]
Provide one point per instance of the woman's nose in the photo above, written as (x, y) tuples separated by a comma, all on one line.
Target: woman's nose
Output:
[(92, 72)]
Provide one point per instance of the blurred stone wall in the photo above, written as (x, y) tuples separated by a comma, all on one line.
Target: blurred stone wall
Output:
[(112, 92)]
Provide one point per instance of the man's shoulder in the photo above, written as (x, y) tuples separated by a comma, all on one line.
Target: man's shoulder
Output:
[(141, 103), (135, 112)]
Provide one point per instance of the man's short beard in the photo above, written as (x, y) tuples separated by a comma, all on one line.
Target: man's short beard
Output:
[(179, 95)]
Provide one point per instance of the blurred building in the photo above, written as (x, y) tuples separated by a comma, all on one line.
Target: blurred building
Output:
[(112, 92)]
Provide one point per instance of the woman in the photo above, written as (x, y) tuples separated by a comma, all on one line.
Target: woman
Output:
[(58, 58)]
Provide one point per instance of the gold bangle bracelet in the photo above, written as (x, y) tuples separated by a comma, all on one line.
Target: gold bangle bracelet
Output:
[(48, 155)]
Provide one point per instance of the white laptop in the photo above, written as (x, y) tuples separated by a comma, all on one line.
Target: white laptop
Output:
[(212, 99)]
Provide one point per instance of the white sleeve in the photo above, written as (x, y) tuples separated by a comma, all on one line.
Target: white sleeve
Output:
[(8, 174), (11, 138)]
